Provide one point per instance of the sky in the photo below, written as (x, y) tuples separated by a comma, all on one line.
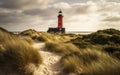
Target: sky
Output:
[(79, 15)]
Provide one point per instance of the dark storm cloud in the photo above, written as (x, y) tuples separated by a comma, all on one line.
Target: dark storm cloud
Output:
[(14, 17), (5, 18), (16, 4), (47, 13), (11, 11), (43, 13)]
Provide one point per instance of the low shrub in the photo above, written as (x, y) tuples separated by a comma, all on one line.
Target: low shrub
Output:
[(110, 31), (103, 37), (113, 50), (115, 38), (99, 38), (79, 42)]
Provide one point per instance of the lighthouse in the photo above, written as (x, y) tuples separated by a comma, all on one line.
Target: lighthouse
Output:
[(60, 20), (59, 28)]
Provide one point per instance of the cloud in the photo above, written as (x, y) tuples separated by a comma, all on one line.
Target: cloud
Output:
[(112, 19), (15, 18), (72, 9), (84, 8), (109, 6), (43, 14), (18, 4), (113, 0), (8, 17), (61, 5)]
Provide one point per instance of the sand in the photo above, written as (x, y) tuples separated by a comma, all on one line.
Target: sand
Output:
[(50, 65)]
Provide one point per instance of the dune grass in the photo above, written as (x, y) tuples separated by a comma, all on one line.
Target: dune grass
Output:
[(46, 37), (90, 62), (60, 48), (84, 61), (16, 53), (94, 54), (28, 40)]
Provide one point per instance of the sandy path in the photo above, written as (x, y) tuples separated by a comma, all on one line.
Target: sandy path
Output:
[(50, 64)]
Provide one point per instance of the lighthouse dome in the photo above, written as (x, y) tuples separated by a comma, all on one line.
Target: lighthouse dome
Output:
[(60, 11)]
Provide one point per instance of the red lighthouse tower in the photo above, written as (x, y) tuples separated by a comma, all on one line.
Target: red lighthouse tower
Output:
[(60, 20), (60, 28)]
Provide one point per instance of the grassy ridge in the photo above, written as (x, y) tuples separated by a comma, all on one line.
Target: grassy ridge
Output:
[(108, 40), (46, 37), (17, 54)]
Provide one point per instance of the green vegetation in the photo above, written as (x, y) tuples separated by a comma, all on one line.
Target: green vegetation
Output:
[(113, 50), (110, 31), (99, 38), (115, 38), (17, 54), (79, 42), (103, 37)]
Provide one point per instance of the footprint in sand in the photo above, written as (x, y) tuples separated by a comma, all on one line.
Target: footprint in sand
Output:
[(51, 60), (45, 71)]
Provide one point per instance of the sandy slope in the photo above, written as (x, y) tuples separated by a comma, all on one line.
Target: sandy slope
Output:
[(50, 64)]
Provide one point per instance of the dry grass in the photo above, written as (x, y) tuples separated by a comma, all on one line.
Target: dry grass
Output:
[(80, 58), (60, 48), (85, 61), (16, 54), (27, 39), (90, 62), (46, 37)]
